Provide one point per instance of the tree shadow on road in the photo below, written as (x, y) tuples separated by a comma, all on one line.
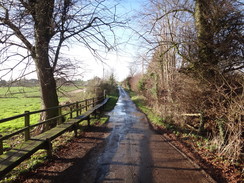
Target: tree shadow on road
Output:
[(69, 161)]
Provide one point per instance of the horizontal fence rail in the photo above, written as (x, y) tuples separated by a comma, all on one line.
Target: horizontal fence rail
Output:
[(66, 111), (200, 116)]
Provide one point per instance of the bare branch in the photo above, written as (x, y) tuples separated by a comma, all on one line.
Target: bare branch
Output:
[(18, 34), (174, 11)]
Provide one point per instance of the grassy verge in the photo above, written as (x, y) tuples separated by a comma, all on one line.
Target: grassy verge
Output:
[(111, 102), (108, 107), (140, 102)]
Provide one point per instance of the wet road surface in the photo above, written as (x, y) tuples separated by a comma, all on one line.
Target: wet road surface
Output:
[(134, 153)]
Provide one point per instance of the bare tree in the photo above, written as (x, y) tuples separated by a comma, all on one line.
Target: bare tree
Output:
[(165, 40), (133, 69), (43, 27), (208, 35)]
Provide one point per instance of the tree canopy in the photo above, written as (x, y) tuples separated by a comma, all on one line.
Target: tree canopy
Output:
[(36, 31)]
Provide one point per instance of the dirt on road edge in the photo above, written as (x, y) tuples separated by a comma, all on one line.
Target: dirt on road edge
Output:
[(218, 173)]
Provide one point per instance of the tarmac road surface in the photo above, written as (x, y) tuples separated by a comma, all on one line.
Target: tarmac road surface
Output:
[(134, 153)]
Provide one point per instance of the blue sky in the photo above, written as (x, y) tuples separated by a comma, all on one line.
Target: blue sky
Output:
[(120, 60), (117, 61)]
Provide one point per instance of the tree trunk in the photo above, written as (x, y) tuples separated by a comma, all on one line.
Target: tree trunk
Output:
[(206, 62), (47, 85), (43, 33)]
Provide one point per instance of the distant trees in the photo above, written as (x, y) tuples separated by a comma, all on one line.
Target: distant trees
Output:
[(196, 65), (3, 83), (98, 86), (38, 30), (21, 82)]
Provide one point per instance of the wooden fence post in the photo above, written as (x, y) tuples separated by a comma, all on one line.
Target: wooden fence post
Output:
[(104, 94), (27, 124), (60, 120), (77, 109), (49, 147), (93, 102), (80, 109), (95, 114), (88, 121), (75, 127), (71, 111), (86, 103)]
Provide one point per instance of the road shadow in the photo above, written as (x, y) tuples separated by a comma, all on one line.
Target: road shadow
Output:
[(70, 159)]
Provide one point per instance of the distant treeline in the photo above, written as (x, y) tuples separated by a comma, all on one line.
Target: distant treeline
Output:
[(96, 81), (34, 82)]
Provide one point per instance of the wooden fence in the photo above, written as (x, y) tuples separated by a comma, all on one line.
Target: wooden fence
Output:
[(67, 111), (201, 124)]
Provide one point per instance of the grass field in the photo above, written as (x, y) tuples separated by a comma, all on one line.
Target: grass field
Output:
[(17, 100)]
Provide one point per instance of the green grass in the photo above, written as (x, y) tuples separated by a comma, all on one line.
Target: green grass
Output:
[(140, 102), (17, 100), (111, 102), (15, 92), (108, 107)]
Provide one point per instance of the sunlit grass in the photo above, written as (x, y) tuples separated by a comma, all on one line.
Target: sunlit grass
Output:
[(17, 100), (111, 102), (140, 102)]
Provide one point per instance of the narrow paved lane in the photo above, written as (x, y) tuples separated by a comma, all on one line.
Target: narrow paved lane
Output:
[(135, 153)]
